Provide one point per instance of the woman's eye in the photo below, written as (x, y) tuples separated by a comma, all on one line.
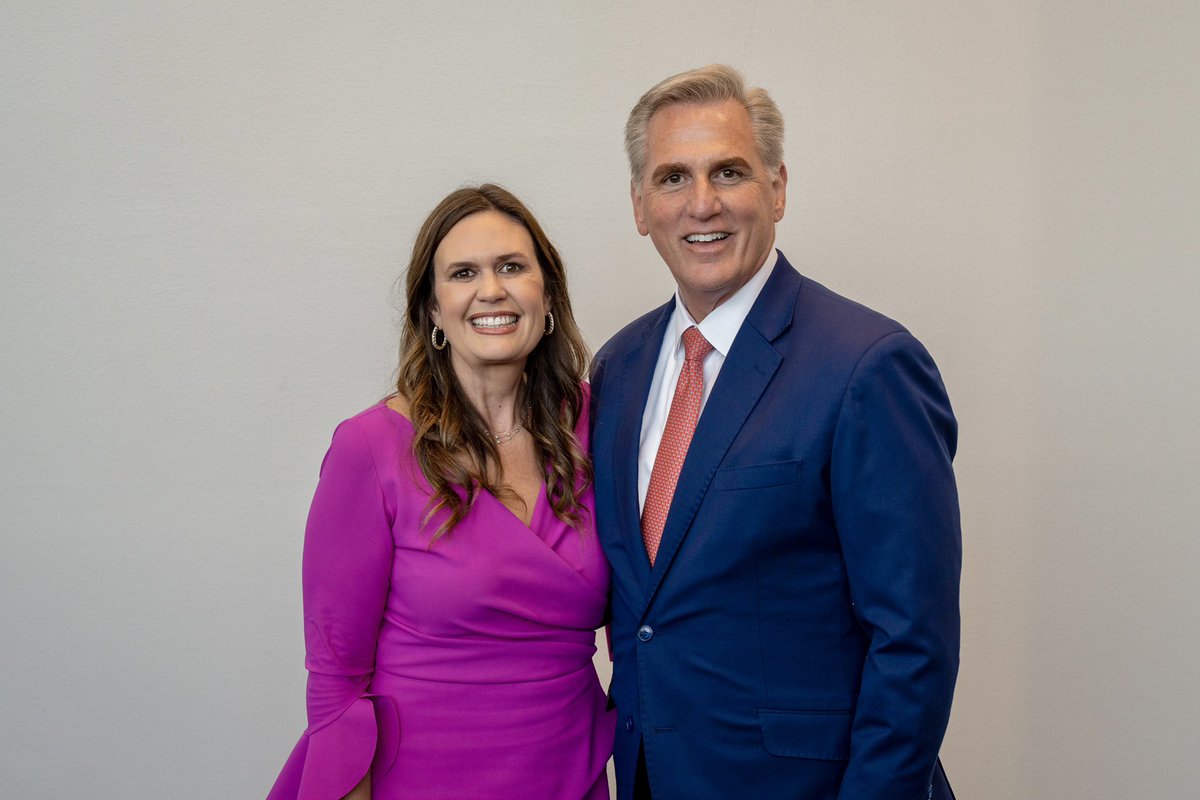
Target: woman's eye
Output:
[(509, 267), (461, 275)]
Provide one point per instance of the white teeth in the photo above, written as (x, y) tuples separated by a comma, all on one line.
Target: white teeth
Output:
[(706, 237), (498, 321)]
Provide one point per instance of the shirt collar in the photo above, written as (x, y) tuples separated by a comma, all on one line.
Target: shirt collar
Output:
[(722, 324)]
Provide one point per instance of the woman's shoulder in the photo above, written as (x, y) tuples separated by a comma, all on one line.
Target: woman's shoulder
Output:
[(396, 403), (386, 415), (375, 441), (379, 429)]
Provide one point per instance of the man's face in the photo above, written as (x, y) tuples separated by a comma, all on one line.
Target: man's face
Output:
[(707, 201)]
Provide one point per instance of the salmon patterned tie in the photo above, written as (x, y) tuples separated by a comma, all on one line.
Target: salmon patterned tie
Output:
[(681, 423)]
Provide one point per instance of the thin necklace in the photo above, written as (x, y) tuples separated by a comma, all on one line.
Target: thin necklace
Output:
[(501, 438)]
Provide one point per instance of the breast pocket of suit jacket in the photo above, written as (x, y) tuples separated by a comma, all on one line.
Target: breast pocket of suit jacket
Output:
[(762, 499), (758, 476)]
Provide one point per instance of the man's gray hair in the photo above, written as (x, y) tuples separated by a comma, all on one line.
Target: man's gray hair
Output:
[(712, 84)]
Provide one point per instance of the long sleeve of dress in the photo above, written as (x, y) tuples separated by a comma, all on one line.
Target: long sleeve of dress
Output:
[(348, 553)]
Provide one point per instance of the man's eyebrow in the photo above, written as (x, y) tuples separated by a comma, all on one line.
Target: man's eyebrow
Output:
[(663, 170), (736, 161)]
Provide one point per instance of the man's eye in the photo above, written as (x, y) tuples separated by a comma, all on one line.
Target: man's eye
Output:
[(674, 179), (729, 174)]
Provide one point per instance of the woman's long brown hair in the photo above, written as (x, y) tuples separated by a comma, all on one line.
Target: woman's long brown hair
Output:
[(452, 444)]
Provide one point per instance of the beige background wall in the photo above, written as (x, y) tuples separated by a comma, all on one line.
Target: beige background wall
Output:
[(204, 207)]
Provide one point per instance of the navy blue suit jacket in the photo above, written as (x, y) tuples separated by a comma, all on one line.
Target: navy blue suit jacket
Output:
[(798, 634)]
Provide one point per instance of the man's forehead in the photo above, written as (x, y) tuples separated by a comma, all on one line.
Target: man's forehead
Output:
[(726, 112), (711, 132)]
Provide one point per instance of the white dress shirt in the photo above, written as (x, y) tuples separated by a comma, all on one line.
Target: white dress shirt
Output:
[(720, 328)]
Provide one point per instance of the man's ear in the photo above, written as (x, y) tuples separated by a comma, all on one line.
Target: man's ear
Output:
[(779, 184), (639, 219)]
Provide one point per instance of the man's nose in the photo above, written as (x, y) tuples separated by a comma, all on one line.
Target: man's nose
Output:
[(704, 202)]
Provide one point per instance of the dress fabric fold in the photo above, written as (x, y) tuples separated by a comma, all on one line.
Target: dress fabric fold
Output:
[(457, 669)]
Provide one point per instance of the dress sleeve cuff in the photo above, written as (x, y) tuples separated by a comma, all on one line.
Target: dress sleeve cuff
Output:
[(333, 756)]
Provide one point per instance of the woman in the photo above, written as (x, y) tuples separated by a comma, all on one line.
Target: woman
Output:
[(452, 576)]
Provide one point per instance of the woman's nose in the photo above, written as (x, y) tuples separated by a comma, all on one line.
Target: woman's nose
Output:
[(490, 286)]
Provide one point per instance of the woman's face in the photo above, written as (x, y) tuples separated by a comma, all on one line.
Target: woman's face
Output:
[(489, 295)]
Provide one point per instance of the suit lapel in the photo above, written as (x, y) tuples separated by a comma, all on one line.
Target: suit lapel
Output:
[(751, 363), (636, 373)]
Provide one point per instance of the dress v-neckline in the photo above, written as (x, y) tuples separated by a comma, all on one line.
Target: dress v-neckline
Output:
[(533, 517)]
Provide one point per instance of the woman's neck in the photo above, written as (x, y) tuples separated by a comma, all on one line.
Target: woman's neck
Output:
[(496, 393)]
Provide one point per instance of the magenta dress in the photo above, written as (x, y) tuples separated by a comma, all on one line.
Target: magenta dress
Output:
[(457, 670)]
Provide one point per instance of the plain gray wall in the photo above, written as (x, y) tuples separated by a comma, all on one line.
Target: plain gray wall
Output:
[(204, 208)]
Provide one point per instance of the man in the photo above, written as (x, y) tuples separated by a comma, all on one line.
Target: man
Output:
[(774, 493)]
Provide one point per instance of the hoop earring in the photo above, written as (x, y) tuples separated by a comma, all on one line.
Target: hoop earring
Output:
[(433, 338), (549, 326)]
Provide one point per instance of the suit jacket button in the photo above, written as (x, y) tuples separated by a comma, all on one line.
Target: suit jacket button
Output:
[(645, 633), (629, 724)]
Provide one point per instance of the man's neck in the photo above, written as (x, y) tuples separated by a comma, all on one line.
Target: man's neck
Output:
[(699, 307)]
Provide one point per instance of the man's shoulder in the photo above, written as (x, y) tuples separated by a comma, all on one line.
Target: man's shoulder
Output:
[(634, 334), (795, 311), (842, 325), (825, 305)]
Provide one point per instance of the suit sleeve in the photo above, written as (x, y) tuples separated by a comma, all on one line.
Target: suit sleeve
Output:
[(347, 567), (896, 509)]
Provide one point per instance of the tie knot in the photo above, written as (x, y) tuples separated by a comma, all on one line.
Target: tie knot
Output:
[(695, 346)]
